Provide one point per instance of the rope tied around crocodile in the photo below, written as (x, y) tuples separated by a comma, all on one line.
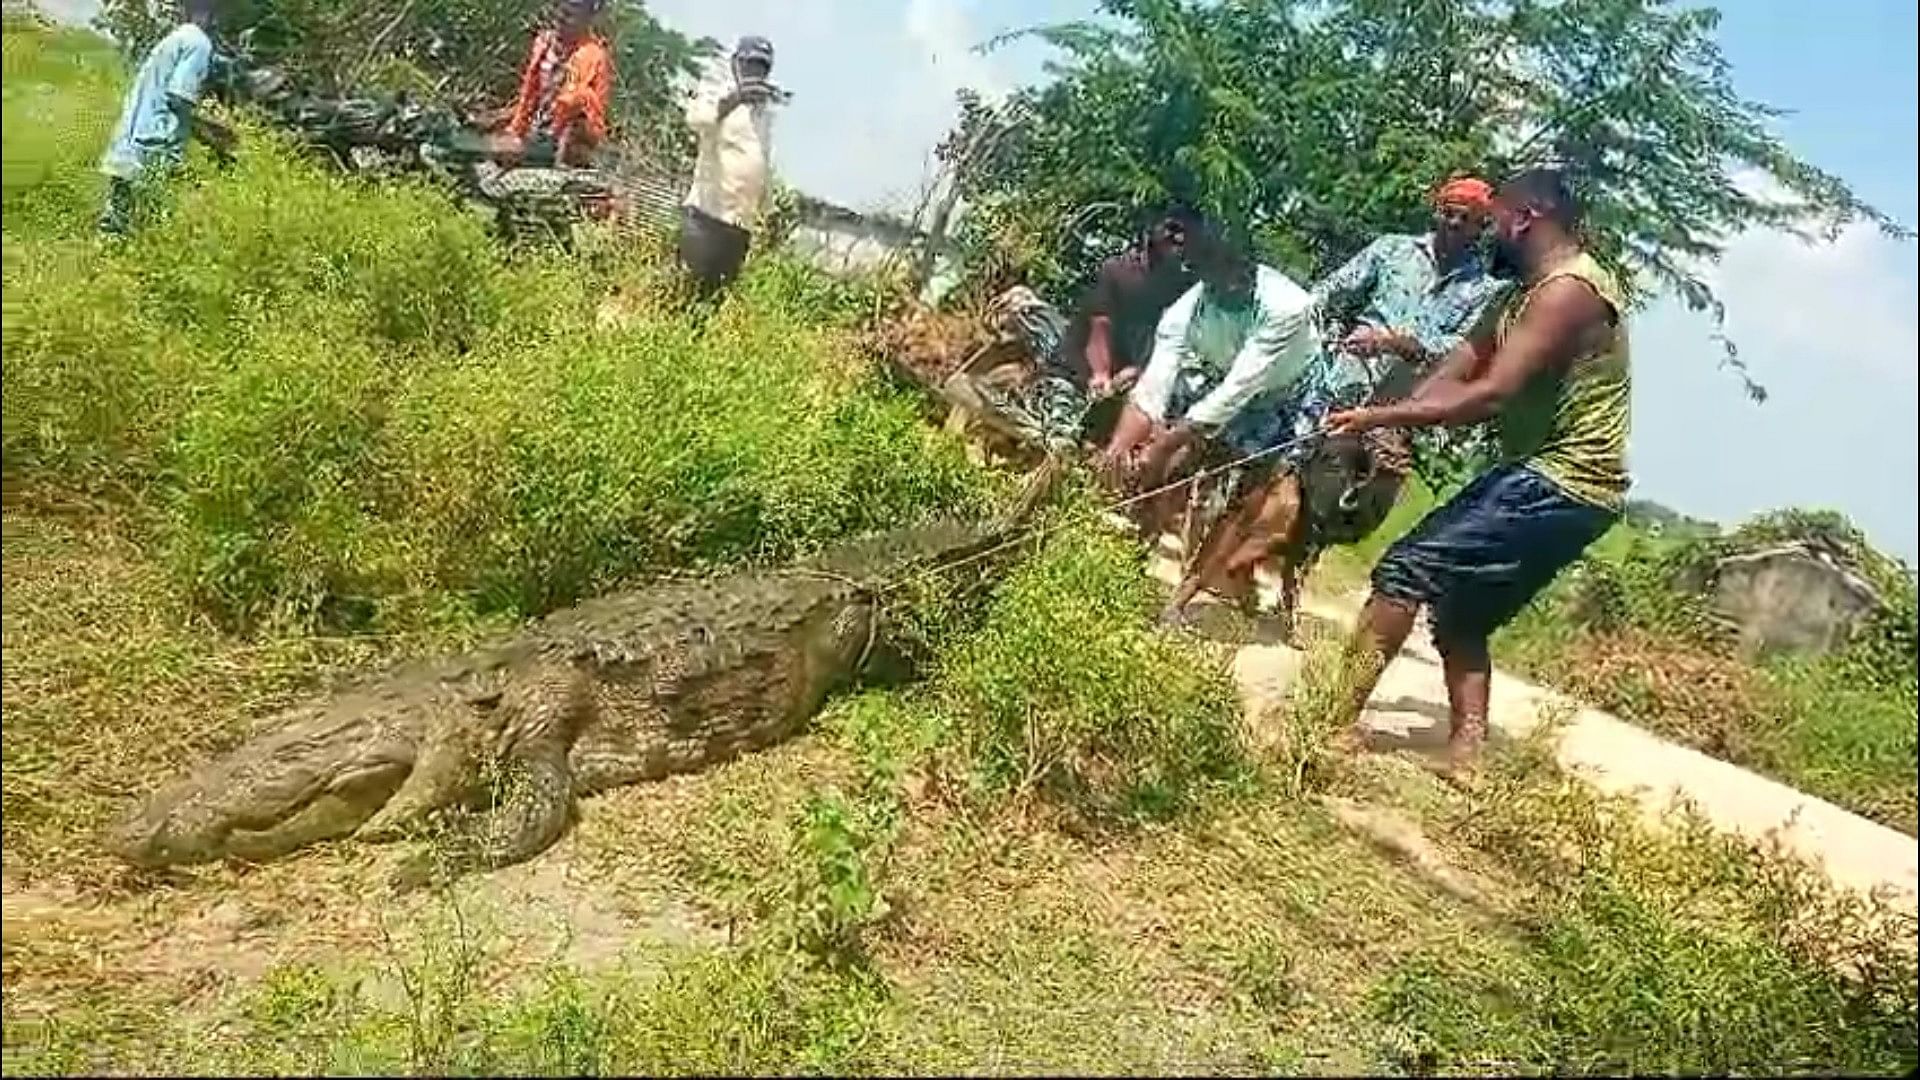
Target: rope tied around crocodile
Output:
[(1028, 534)]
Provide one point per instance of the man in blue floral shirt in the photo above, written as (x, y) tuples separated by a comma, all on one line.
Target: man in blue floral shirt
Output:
[(1402, 302)]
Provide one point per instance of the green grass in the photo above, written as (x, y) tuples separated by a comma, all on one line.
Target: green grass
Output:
[(1050, 855), (341, 407), (886, 909)]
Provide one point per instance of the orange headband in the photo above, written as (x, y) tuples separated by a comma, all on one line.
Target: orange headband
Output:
[(1470, 192)]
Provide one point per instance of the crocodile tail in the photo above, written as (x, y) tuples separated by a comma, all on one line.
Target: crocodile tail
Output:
[(880, 558)]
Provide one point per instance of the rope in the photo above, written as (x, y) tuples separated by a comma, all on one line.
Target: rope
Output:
[(1022, 536)]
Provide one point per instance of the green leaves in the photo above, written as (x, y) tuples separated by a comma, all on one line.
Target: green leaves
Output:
[(463, 51), (1321, 126)]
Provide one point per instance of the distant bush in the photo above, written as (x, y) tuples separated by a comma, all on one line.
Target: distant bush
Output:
[(345, 407)]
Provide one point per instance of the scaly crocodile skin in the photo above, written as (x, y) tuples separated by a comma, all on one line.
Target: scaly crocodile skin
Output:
[(630, 687)]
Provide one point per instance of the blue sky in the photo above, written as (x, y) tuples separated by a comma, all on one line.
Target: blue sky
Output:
[(1833, 331)]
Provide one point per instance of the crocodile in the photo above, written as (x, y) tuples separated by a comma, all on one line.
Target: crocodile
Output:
[(634, 686)]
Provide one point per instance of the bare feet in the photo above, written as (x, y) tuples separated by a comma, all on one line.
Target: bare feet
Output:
[(1460, 764), (1351, 742)]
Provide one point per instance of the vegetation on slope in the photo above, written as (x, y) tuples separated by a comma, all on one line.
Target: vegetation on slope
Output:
[(379, 423), (1624, 631)]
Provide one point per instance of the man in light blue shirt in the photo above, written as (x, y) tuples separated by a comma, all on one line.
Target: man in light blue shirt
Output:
[(159, 114), (1408, 300)]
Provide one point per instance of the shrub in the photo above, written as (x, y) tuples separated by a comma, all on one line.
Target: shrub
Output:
[(1675, 950), (1629, 629), (1064, 691), (351, 410), (262, 490), (61, 101)]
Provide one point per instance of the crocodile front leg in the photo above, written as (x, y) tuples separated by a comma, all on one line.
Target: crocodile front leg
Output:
[(531, 795), (446, 769)]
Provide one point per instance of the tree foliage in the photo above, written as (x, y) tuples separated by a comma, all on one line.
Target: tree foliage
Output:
[(465, 52), (1318, 125)]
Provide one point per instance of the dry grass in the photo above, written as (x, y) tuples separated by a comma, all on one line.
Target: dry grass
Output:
[(1060, 934), (926, 345), (1252, 933), (1682, 690)]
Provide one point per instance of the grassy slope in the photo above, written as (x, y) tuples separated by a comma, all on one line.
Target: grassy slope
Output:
[(1808, 724), (888, 907), (940, 880)]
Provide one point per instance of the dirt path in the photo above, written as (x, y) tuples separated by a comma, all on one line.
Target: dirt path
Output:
[(1409, 710)]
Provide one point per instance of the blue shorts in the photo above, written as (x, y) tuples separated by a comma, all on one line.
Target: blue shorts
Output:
[(1484, 554)]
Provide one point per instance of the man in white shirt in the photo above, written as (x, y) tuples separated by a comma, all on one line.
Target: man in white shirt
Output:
[(731, 115), (1223, 356)]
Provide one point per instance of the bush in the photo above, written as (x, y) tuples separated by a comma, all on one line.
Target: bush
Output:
[(61, 101), (264, 515), (350, 410), (1064, 690)]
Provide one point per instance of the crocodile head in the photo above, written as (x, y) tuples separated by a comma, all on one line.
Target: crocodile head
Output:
[(178, 826), (318, 777)]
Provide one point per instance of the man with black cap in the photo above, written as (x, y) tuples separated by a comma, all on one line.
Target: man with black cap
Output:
[(732, 117)]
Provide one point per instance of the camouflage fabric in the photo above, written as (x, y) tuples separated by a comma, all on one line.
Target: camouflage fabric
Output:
[(1052, 408), (536, 204)]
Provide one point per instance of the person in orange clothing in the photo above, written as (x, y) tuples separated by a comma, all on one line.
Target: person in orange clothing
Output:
[(560, 114)]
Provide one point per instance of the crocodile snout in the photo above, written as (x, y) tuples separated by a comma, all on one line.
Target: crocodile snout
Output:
[(153, 836)]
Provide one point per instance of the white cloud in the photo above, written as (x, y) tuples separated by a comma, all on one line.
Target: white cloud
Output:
[(1833, 331), (941, 29), (1849, 302), (78, 12)]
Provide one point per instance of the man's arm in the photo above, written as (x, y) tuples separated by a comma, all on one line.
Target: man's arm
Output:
[(520, 115), (1155, 388), (714, 101), (703, 108), (1441, 339), (1100, 309), (1550, 331), (1100, 350), (1467, 359)]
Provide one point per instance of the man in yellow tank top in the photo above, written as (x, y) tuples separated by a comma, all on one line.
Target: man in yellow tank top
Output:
[(1550, 367)]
